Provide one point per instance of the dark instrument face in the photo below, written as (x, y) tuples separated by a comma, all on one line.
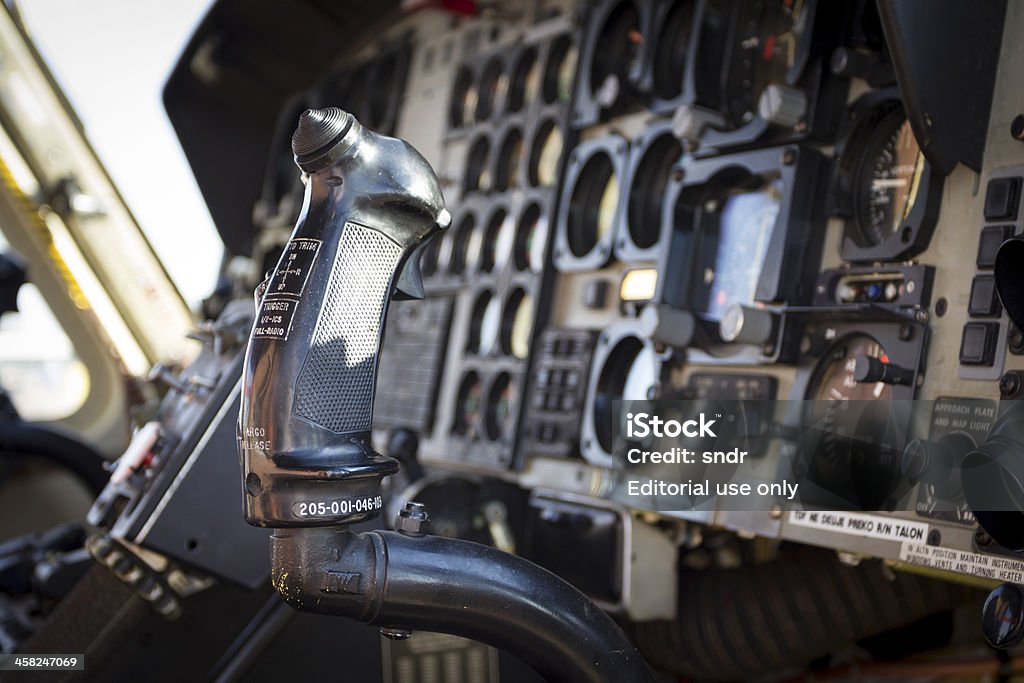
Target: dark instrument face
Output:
[(763, 52), (887, 180)]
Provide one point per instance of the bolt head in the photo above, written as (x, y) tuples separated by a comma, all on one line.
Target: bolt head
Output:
[(412, 519), (1017, 127)]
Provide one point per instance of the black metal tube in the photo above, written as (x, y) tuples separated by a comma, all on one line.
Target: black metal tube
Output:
[(453, 586), (24, 439)]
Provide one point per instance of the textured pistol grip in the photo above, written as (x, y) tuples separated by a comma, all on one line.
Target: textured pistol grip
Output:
[(335, 386)]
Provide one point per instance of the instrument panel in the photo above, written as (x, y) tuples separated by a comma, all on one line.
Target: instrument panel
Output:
[(683, 199)]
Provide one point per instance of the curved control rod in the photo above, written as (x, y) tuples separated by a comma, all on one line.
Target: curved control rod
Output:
[(409, 580), (308, 465)]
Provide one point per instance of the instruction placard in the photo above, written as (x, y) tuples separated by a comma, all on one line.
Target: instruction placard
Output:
[(963, 562), (860, 524)]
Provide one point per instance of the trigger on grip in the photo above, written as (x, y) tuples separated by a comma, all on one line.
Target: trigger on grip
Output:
[(335, 386)]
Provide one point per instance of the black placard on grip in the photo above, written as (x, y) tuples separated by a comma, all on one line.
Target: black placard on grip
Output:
[(284, 291), (294, 268)]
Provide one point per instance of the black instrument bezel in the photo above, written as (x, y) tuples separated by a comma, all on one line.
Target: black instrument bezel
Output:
[(855, 135), (793, 254), (626, 248), (615, 148)]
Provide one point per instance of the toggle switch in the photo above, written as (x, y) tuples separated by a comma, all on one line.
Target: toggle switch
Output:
[(868, 369)]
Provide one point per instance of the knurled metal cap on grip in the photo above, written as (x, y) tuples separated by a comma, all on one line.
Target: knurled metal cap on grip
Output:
[(318, 131)]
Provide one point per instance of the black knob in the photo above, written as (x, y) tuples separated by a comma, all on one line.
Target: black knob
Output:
[(869, 369), (318, 131), (934, 462), (849, 62), (1009, 274), (859, 64), (915, 459), (1002, 616), (992, 476)]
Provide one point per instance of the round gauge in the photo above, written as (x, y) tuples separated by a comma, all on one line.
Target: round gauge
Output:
[(500, 401), (647, 189), (510, 154), (545, 153), (497, 242), (484, 324), (886, 181), (517, 324), (560, 71), (617, 47), (629, 373), (464, 98), (478, 175), (531, 238), (493, 84), (671, 48), (850, 454), (593, 204), (834, 380), (463, 239), (764, 51), (525, 80), (467, 405)]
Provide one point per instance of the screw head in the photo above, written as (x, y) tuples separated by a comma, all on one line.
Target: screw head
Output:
[(1009, 384), (395, 633), (1017, 127), (1015, 339)]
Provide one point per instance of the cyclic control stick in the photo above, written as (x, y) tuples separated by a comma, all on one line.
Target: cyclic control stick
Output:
[(309, 469)]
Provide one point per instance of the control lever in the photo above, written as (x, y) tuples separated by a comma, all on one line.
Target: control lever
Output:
[(309, 469), (311, 364)]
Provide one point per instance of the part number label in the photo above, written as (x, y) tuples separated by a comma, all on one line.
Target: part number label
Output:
[(332, 508)]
